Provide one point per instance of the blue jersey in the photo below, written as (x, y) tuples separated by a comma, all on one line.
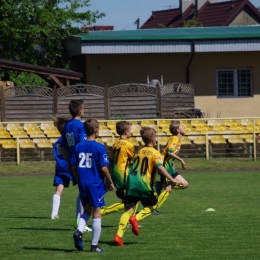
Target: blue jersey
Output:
[(90, 156), (61, 167), (72, 134)]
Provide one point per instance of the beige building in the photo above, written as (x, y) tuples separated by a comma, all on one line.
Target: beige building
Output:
[(222, 63)]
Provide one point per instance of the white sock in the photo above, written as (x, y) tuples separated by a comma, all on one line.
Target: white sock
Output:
[(82, 222), (96, 231), (79, 208), (55, 204)]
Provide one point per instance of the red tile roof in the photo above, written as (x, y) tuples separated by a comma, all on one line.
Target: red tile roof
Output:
[(210, 14)]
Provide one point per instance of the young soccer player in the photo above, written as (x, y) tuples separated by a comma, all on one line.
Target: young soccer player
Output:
[(170, 152), (123, 152), (62, 177), (90, 168), (72, 134), (140, 181)]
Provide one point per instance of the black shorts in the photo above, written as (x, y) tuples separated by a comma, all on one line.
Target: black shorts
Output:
[(146, 201), (165, 181), (120, 194)]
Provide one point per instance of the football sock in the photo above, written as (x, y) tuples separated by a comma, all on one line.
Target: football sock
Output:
[(112, 208), (96, 231), (55, 204), (161, 199), (82, 222), (144, 213), (147, 211), (123, 222), (79, 208), (178, 186)]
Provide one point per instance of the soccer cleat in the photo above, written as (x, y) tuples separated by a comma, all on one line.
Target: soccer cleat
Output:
[(118, 240), (96, 249), (55, 217), (77, 236), (133, 221), (87, 229)]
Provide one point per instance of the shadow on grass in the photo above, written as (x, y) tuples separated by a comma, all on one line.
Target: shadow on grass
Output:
[(50, 249), (46, 229), (111, 243), (30, 217)]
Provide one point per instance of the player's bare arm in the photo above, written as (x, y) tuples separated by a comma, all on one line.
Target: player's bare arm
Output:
[(175, 156), (109, 183), (167, 175)]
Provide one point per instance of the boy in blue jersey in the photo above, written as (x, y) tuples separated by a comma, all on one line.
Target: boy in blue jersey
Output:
[(72, 134), (90, 168), (62, 177)]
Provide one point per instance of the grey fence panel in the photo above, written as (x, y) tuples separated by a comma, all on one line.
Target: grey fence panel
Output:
[(177, 100), (129, 101)]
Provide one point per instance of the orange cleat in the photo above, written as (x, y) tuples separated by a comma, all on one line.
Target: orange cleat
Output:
[(134, 223), (118, 240)]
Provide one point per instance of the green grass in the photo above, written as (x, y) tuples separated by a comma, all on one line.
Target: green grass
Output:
[(27, 168), (185, 230)]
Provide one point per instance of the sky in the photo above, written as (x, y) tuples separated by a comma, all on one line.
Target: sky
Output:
[(122, 13)]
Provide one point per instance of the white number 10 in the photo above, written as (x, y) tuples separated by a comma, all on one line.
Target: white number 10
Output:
[(85, 160)]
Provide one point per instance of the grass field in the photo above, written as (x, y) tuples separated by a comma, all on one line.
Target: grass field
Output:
[(185, 230)]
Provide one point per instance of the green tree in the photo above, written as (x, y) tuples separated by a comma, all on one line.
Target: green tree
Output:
[(34, 31), (193, 22)]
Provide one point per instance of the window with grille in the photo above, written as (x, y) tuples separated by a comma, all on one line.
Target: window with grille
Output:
[(234, 83)]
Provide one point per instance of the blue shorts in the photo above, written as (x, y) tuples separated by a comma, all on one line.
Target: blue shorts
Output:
[(93, 195), (61, 179)]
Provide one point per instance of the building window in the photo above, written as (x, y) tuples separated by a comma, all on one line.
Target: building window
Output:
[(234, 83)]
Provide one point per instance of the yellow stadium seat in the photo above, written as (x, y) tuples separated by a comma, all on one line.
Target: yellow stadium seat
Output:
[(109, 142), (44, 143), (105, 135), (15, 129), (228, 122), (195, 122), (163, 140), (53, 134), (246, 122), (99, 140), (218, 126), (155, 127), (185, 140), (235, 139), (27, 125), (257, 122), (136, 132), (32, 129), (49, 129), (102, 127), (203, 129), (26, 144), (200, 126), (218, 140), (9, 144), (4, 135), (199, 140), (43, 125), (226, 134), (212, 122), (9, 125), (111, 124), (249, 139), (52, 140), (35, 134), (2, 129), (134, 141), (233, 126), (162, 123), (192, 135), (20, 134), (147, 122), (133, 127)]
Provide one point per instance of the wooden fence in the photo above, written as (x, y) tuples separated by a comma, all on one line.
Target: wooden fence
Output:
[(126, 101)]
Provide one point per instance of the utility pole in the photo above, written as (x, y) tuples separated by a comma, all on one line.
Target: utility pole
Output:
[(137, 22)]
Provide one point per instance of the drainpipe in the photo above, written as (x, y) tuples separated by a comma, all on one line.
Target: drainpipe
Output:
[(190, 61)]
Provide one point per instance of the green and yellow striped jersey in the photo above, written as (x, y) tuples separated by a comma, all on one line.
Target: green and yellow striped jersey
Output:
[(123, 152)]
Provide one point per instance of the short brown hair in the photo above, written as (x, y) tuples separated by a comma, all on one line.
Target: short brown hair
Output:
[(59, 122), (147, 134), (174, 126), (122, 126), (75, 106), (90, 125)]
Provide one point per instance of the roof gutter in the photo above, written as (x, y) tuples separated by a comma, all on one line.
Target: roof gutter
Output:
[(190, 61)]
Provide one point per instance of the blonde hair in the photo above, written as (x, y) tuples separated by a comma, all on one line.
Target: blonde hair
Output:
[(122, 126), (90, 125), (147, 134), (174, 126)]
